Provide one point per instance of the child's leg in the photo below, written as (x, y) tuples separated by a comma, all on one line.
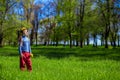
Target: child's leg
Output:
[(22, 63), (28, 62)]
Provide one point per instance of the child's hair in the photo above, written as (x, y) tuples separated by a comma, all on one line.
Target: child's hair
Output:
[(20, 39), (23, 28), (21, 33)]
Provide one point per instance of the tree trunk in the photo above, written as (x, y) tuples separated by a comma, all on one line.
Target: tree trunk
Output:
[(111, 43), (31, 36), (81, 43), (94, 40), (77, 43), (102, 39), (56, 42), (36, 38), (73, 43), (69, 27), (107, 29), (113, 40), (48, 42), (106, 42), (114, 43), (118, 41), (82, 10), (88, 42), (36, 31), (45, 43), (1, 39), (1, 34), (64, 43), (70, 37)]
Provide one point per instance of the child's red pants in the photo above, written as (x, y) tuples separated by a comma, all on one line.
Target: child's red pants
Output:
[(25, 60)]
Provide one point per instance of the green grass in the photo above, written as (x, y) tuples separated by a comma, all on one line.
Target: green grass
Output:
[(59, 63)]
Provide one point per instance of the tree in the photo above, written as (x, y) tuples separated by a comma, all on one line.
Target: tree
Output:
[(6, 5), (81, 12), (67, 16)]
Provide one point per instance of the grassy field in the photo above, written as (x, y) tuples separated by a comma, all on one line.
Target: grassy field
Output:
[(59, 63)]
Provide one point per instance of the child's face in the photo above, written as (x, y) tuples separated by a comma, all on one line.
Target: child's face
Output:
[(25, 32)]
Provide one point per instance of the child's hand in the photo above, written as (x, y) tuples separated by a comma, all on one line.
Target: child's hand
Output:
[(21, 55), (31, 55)]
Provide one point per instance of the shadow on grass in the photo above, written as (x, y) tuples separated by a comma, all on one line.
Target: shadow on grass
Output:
[(82, 54), (59, 53)]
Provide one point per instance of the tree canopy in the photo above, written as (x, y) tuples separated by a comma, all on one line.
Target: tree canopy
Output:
[(67, 22)]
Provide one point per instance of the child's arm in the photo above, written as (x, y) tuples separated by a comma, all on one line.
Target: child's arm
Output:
[(20, 50), (30, 50)]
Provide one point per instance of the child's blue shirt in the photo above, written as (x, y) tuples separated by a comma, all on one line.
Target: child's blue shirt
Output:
[(24, 45)]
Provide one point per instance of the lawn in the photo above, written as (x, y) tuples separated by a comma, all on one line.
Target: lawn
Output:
[(59, 63)]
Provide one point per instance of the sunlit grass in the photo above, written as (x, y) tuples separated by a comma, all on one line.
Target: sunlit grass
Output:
[(62, 64)]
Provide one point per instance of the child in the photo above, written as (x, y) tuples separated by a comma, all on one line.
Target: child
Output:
[(25, 51)]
